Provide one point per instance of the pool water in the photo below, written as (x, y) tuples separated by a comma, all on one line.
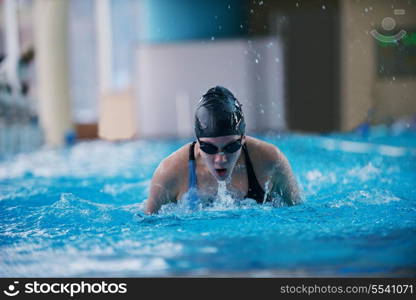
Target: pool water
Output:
[(78, 212)]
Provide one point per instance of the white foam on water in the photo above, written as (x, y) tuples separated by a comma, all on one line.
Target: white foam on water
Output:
[(41, 260), (209, 250), (316, 180), (119, 188), (341, 203), (27, 191), (85, 159), (364, 173), (373, 197), (83, 266)]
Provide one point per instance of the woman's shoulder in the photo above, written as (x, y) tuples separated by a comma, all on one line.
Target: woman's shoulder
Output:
[(263, 153), (178, 160), (262, 149)]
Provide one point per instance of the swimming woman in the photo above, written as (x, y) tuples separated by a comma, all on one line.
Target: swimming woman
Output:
[(222, 153)]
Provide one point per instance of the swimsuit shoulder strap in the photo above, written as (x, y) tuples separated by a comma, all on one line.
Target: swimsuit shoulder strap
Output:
[(255, 191), (191, 167), (191, 151), (192, 180)]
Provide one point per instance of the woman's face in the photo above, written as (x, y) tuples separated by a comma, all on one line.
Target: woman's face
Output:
[(221, 164)]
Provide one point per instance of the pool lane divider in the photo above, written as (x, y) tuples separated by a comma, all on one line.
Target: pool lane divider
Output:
[(367, 148)]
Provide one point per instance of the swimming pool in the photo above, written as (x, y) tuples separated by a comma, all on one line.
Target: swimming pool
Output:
[(78, 212)]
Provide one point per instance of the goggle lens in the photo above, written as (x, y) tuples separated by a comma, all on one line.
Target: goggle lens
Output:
[(212, 149)]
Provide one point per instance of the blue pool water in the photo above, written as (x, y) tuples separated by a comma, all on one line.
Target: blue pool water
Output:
[(79, 212)]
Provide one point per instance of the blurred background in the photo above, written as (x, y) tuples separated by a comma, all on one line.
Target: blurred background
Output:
[(133, 69)]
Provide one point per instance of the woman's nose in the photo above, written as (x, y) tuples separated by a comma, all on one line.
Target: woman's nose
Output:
[(220, 157)]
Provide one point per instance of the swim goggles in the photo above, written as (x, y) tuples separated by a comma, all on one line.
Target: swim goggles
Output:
[(212, 149)]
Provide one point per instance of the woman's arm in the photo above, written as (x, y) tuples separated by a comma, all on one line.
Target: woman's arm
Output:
[(163, 188), (283, 181)]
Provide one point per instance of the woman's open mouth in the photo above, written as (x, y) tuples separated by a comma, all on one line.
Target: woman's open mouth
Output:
[(221, 172)]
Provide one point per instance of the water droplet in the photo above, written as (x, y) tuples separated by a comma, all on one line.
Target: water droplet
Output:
[(229, 6), (256, 60), (366, 10), (262, 111), (394, 78), (297, 4), (212, 38), (323, 7), (241, 25), (261, 3), (251, 11)]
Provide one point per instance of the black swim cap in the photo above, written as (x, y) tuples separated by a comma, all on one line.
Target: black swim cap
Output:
[(219, 114)]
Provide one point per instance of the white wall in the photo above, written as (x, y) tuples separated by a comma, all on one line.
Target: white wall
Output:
[(172, 77)]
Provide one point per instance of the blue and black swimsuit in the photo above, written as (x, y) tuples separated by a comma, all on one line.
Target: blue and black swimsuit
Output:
[(255, 191)]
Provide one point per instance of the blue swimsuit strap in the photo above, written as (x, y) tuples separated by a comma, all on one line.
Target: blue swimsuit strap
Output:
[(192, 180), (191, 166)]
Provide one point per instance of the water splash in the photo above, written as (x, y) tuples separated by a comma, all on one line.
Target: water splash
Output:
[(224, 197), (365, 173), (372, 197)]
